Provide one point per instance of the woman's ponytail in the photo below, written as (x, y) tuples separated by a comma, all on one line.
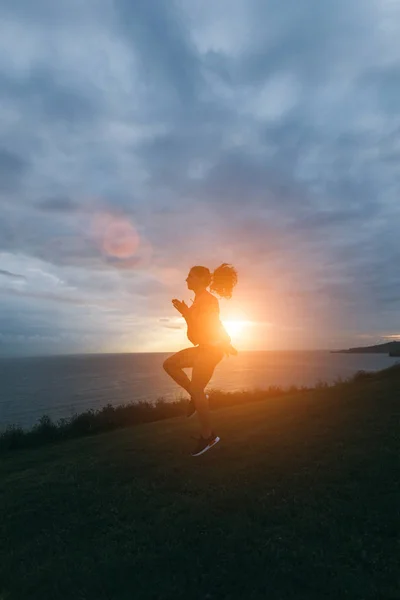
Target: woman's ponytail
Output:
[(223, 280)]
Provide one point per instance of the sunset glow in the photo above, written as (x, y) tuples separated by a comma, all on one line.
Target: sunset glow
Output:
[(236, 329)]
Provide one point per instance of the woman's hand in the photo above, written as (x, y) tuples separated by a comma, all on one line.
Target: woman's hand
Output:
[(181, 307)]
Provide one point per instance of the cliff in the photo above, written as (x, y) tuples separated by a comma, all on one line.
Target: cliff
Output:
[(392, 348)]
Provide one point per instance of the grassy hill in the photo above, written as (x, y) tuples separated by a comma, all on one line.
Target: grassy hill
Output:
[(300, 500)]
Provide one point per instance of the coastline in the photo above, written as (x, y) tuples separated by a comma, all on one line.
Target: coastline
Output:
[(108, 418)]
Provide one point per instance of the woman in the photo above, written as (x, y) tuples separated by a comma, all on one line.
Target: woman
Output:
[(211, 341)]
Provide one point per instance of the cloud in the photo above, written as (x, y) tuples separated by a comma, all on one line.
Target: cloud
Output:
[(49, 96), (174, 326), (162, 46), (258, 133), (58, 204), (12, 168), (12, 275)]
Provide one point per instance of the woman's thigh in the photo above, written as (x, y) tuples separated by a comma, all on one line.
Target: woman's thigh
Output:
[(204, 366), (184, 359)]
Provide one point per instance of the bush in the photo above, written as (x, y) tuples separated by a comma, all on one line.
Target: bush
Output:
[(46, 429), (12, 438), (361, 376)]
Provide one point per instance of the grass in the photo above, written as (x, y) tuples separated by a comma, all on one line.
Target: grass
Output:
[(300, 500), (109, 418)]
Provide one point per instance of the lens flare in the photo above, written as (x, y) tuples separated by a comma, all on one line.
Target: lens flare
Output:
[(116, 235)]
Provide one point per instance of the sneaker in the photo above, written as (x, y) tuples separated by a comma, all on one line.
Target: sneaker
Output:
[(191, 409), (203, 445)]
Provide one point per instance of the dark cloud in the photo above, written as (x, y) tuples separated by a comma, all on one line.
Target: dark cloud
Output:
[(42, 13), (383, 84), (49, 94), (12, 169), (63, 205), (307, 37), (6, 273), (168, 61)]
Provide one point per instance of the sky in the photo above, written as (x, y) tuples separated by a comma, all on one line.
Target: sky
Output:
[(139, 139)]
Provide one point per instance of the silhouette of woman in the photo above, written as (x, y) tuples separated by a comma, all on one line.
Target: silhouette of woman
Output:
[(211, 342)]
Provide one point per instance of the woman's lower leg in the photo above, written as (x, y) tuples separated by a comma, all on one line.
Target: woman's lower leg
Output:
[(203, 412), (179, 376)]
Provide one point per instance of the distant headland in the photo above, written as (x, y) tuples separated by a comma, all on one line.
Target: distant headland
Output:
[(391, 348)]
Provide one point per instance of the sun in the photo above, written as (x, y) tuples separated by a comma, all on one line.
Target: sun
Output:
[(235, 328)]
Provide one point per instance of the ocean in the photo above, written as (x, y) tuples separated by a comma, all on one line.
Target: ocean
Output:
[(61, 386)]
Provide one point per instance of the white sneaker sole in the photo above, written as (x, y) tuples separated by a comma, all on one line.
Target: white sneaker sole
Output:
[(215, 441)]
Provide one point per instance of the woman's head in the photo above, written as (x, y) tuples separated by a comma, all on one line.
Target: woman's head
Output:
[(222, 280)]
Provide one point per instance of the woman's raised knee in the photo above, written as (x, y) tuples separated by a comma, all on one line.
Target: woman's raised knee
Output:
[(167, 364)]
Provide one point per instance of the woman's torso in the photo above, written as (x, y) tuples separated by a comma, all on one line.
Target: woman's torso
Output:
[(204, 324)]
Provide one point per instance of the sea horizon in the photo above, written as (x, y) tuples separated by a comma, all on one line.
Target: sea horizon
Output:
[(55, 355), (62, 385)]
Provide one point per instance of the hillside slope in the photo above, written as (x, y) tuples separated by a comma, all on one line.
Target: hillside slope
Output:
[(299, 500)]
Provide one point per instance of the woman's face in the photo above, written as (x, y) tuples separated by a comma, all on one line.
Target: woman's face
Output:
[(194, 282)]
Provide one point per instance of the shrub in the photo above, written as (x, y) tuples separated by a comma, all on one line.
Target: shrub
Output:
[(12, 438)]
